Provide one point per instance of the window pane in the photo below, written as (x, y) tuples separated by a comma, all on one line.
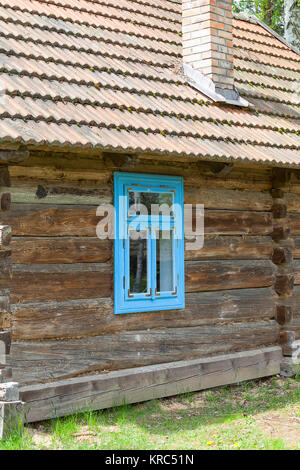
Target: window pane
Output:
[(164, 261), (138, 262), (141, 202)]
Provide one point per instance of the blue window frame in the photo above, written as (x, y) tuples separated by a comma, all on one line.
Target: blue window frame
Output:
[(149, 243)]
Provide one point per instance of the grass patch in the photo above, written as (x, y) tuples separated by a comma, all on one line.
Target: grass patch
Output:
[(261, 414)]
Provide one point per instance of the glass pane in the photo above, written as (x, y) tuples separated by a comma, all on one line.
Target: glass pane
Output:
[(142, 202), (138, 262), (164, 261)]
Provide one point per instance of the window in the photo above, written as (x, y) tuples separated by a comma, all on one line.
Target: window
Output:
[(149, 243)]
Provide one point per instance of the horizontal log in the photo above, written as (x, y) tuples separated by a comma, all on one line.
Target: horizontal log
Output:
[(146, 383), (91, 317), (43, 192), (73, 220), (74, 167), (228, 247), (296, 249), (47, 361), (218, 275), (294, 223), (228, 199), (35, 250), (14, 156), (237, 223), (292, 201), (44, 282), (48, 220)]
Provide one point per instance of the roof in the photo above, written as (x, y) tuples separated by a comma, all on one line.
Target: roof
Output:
[(101, 74)]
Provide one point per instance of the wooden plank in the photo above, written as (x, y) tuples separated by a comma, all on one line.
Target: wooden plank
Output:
[(89, 317), (50, 220), (146, 383), (44, 282), (51, 250), (228, 199), (44, 361), (219, 275), (238, 247)]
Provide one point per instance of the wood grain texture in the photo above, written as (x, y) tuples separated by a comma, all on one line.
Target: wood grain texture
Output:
[(228, 247), (228, 199), (92, 317), (46, 361), (50, 220), (75, 167), (81, 220), (52, 250), (219, 275), (146, 383), (221, 222), (44, 282), (45, 192)]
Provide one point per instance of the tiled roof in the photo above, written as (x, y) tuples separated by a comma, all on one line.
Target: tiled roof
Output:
[(106, 74)]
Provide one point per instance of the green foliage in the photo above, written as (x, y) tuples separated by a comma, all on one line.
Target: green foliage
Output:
[(270, 12)]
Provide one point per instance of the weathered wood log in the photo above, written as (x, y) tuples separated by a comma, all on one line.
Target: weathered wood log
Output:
[(5, 268), (284, 284), (73, 220), (146, 383), (216, 275), (238, 247), (280, 232), (294, 223), (237, 223), (4, 177), (5, 235), (284, 314), (14, 156), (82, 318), (279, 210), (286, 337), (296, 266), (38, 250), (48, 220), (45, 361), (5, 202), (5, 339), (43, 192), (44, 282), (280, 177), (76, 167), (228, 199), (282, 255)]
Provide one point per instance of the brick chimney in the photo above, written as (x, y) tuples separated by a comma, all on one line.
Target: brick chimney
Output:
[(207, 44)]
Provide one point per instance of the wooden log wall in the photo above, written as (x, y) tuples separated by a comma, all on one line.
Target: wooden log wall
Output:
[(291, 188), (62, 288), (5, 278)]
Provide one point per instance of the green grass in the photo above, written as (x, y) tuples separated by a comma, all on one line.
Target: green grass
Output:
[(262, 414)]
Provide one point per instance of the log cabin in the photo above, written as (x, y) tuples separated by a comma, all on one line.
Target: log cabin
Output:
[(159, 101)]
